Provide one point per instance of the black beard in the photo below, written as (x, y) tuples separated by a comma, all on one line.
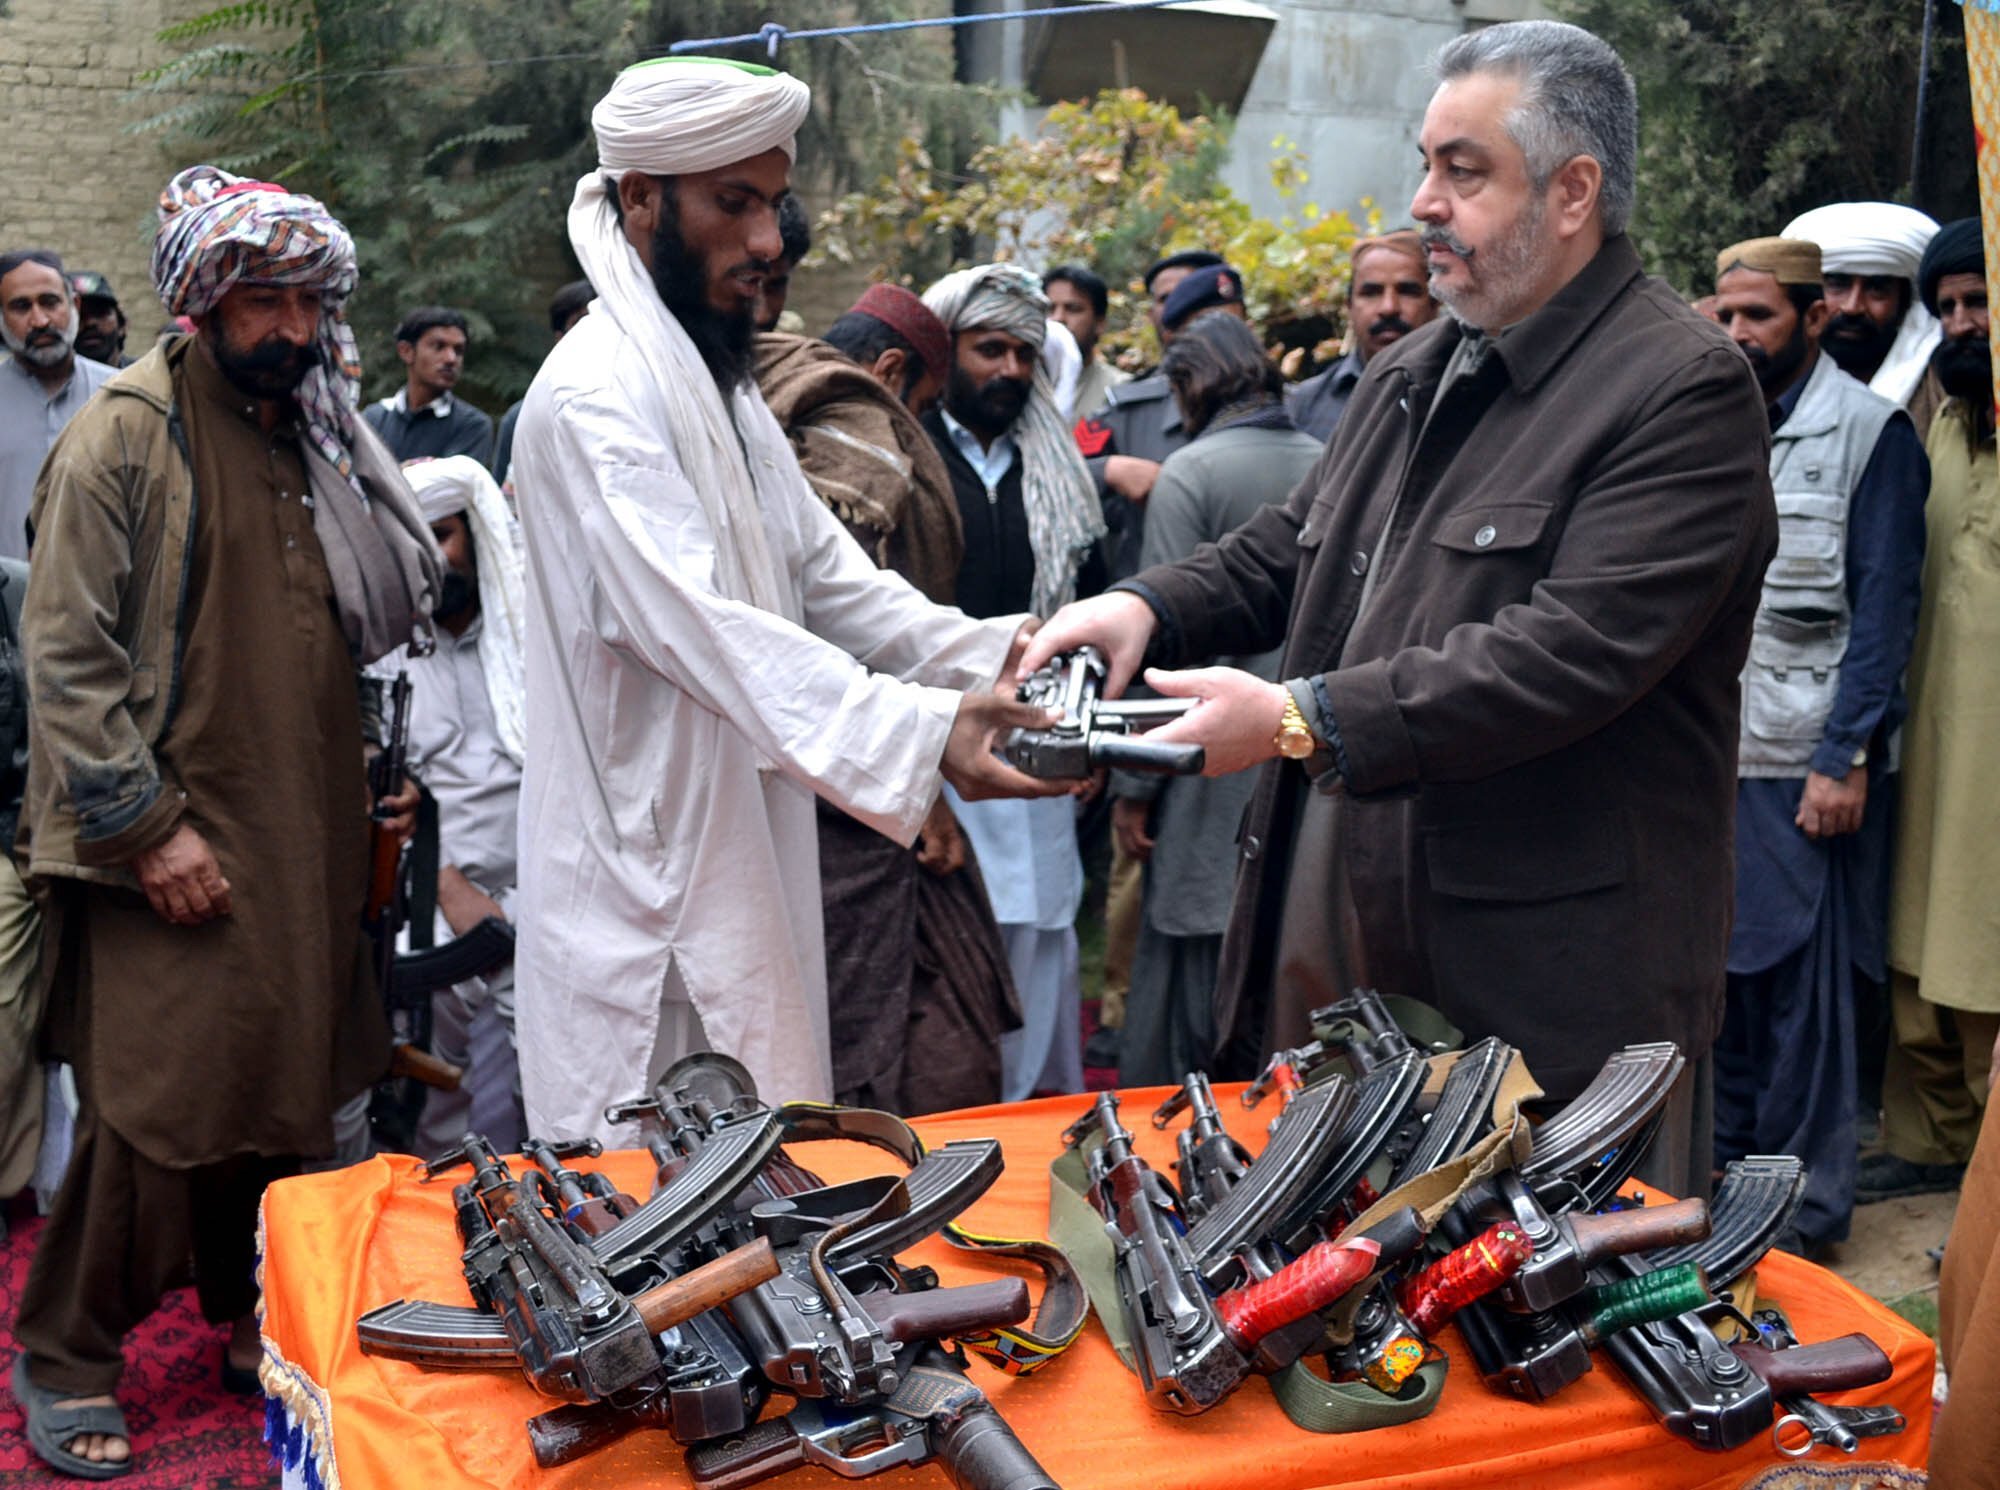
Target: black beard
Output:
[(1965, 367), (104, 347), (987, 408), (272, 369), (458, 594), (1857, 344), (1774, 373), (681, 280)]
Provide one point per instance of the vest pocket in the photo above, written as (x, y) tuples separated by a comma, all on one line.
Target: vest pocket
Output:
[(1809, 553), (1792, 676)]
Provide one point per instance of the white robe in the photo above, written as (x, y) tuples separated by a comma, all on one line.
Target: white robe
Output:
[(676, 739)]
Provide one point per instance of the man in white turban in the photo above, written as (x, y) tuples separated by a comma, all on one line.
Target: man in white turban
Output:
[(707, 647), (1880, 331), (1031, 521), (468, 737)]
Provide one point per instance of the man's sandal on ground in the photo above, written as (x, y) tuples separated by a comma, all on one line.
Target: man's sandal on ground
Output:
[(52, 1428)]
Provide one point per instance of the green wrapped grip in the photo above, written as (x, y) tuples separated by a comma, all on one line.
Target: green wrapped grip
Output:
[(1656, 1295)]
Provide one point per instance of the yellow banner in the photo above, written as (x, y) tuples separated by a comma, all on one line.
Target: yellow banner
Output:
[(1982, 47)]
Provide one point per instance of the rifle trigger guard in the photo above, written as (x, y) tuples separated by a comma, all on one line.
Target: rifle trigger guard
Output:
[(1797, 1450)]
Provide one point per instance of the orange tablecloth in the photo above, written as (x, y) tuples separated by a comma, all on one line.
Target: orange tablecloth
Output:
[(338, 1244)]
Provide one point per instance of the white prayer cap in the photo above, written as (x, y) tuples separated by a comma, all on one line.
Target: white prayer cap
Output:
[(676, 116), (1866, 237)]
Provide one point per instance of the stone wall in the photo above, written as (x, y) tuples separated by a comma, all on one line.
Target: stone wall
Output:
[(76, 182)]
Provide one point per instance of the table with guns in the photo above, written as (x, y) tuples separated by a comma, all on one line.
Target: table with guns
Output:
[(1433, 1288)]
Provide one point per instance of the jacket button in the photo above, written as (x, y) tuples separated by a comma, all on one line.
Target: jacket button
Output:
[(1484, 537), (1359, 563), (1252, 846)]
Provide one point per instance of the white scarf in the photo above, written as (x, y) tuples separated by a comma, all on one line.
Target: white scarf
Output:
[(456, 484), (671, 117), (1871, 238)]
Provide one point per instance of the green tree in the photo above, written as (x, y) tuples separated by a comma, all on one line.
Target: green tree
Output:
[(1751, 113), (1113, 182), (448, 134)]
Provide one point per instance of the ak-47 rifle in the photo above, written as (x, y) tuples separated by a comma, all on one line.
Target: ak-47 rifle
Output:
[(385, 909), (1095, 732), (1721, 1395), (1193, 1347), (841, 1325), (573, 1332)]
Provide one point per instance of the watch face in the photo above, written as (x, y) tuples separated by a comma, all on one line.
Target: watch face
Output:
[(1295, 744)]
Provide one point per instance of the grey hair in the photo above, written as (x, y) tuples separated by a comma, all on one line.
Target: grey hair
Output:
[(1576, 99)]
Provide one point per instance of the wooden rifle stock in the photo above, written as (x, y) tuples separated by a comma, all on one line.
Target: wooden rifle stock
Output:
[(1640, 1229), (420, 1065), (680, 1299)]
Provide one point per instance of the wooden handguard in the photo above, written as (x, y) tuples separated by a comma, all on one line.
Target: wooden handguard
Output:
[(1304, 1286), (1829, 1366), (680, 1299), (940, 1313), (1641, 1229), (420, 1065)]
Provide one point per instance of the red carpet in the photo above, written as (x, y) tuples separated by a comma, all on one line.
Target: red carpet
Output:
[(188, 1434)]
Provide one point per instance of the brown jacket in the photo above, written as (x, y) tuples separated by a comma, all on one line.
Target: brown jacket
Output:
[(1538, 713)]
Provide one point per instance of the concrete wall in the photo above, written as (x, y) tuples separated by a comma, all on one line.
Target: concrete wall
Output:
[(75, 181)]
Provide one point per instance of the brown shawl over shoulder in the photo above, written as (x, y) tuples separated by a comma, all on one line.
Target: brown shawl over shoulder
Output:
[(867, 458)]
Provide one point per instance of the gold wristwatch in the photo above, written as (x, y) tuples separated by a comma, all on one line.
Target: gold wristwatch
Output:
[(1294, 741)]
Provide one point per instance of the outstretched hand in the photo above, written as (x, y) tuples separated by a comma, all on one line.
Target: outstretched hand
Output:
[(969, 763), (1119, 624), (1236, 720)]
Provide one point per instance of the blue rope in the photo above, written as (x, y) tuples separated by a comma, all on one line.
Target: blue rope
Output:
[(772, 35)]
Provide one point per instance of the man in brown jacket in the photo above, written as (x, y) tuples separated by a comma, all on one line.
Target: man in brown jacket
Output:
[(1515, 596)]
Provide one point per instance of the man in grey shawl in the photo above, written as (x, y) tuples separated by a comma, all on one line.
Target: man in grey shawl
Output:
[(1031, 523)]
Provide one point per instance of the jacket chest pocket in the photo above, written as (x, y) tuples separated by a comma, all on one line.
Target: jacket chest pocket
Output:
[(1791, 679), (1811, 551), (1494, 528)]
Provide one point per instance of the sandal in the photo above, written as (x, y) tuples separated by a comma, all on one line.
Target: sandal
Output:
[(51, 1427)]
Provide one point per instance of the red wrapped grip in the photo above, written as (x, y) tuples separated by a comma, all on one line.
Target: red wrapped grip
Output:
[(1470, 1272), (1304, 1286)]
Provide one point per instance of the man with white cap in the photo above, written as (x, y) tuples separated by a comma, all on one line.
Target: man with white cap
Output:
[(1879, 331), (707, 647), (468, 736)]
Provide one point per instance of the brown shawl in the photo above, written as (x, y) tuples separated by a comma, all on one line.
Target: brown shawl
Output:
[(867, 458)]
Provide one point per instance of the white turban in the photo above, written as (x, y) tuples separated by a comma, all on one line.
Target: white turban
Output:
[(1871, 238), (672, 117), (675, 116), (1866, 237), (456, 484)]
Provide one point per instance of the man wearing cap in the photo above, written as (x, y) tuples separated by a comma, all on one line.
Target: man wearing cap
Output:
[(1079, 298), (708, 649), (1138, 427), (43, 382), (1031, 527), (100, 321), (1822, 701), (918, 992), (1944, 928), (1878, 331), (1388, 297), (468, 735), (221, 543), (1205, 291)]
